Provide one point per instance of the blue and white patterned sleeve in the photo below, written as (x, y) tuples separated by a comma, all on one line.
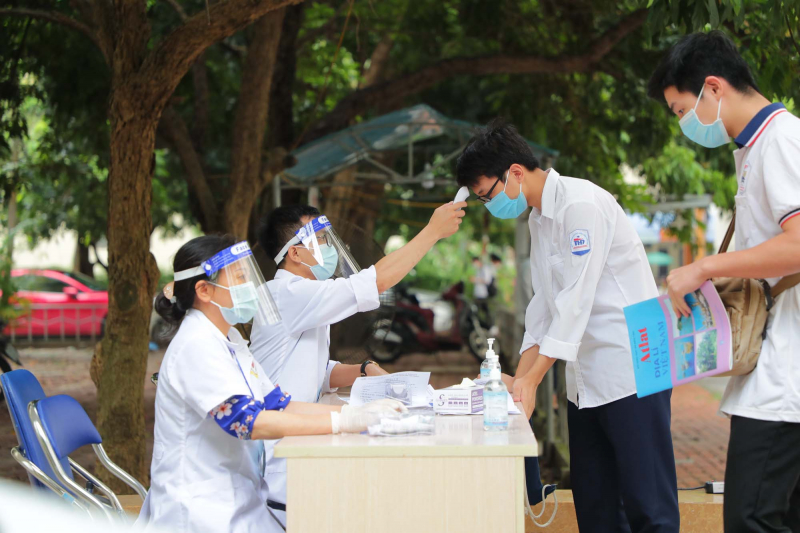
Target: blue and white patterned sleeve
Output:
[(237, 414)]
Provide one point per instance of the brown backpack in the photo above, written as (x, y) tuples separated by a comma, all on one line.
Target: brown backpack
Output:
[(747, 302)]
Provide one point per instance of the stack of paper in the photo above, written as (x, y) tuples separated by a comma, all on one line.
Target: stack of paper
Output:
[(371, 388)]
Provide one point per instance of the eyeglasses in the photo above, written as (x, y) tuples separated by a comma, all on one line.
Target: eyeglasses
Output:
[(323, 240), (485, 199)]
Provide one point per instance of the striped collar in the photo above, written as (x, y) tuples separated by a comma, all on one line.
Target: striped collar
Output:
[(756, 126)]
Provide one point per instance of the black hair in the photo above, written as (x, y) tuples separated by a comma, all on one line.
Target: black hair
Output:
[(494, 258), (280, 225), (190, 255), (491, 151), (695, 57)]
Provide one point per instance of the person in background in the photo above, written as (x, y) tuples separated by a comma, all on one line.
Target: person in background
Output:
[(482, 280), (709, 87)]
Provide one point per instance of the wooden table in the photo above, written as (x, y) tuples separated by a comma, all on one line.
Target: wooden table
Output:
[(461, 479)]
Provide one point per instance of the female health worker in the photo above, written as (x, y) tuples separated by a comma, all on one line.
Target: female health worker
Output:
[(215, 403)]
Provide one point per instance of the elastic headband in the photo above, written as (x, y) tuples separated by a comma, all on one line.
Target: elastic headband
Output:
[(305, 232), (218, 261)]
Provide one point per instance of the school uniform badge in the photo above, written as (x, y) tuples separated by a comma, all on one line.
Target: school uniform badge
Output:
[(579, 242)]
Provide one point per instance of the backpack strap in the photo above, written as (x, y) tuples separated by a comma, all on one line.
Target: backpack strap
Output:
[(787, 282), (726, 240)]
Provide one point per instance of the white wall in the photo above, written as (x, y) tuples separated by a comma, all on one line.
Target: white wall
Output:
[(59, 251)]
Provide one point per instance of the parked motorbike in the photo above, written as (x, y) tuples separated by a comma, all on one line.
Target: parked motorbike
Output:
[(7, 353), (415, 327)]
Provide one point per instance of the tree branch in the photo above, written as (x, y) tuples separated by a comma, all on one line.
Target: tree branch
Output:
[(175, 54), (250, 121), (328, 28), (55, 17), (366, 98), (173, 129)]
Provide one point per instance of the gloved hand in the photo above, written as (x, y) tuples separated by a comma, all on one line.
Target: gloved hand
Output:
[(357, 419)]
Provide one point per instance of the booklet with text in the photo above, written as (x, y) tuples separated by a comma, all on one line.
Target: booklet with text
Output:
[(669, 350)]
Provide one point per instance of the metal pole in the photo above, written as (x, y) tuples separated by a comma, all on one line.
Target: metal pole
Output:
[(313, 196), (410, 156), (276, 191), (548, 404)]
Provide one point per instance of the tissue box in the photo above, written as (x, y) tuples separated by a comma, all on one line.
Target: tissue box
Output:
[(458, 401)]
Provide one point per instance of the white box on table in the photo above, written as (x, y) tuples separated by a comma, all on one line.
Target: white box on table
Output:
[(458, 401)]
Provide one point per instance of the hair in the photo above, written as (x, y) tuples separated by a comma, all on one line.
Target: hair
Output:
[(190, 255), (491, 151), (695, 57), (280, 225), (495, 258)]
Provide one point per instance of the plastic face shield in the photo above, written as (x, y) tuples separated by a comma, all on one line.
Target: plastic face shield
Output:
[(316, 234), (244, 280)]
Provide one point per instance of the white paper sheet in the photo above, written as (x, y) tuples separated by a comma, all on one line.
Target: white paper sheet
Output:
[(370, 388)]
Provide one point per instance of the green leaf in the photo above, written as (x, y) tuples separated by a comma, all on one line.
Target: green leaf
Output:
[(713, 13)]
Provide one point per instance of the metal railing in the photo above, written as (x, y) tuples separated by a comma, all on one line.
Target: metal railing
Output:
[(59, 322)]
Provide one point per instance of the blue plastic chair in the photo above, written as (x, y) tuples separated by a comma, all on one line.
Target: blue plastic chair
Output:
[(62, 426), (21, 387)]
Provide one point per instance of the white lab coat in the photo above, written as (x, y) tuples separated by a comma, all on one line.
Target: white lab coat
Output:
[(203, 479), (295, 351)]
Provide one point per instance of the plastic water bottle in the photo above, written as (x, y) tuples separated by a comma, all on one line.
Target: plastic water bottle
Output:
[(495, 403), (490, 361)]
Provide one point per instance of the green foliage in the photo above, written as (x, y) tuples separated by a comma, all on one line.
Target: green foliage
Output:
[(11, 307), (53, 104)]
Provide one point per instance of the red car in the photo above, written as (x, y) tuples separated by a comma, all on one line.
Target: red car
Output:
[(62, 305)]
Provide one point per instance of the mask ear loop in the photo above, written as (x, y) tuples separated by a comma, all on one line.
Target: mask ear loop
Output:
[(506, 185), (699, 96)]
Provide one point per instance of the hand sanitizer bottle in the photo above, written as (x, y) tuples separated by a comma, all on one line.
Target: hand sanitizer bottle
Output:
[(491, 360), (495, 403)]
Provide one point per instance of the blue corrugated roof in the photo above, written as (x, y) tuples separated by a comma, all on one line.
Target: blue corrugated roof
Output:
[(392, 131)]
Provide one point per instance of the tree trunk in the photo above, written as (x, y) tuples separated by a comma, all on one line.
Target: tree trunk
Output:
[(82, 263), (250, 124), (132, 276), (11, 197)]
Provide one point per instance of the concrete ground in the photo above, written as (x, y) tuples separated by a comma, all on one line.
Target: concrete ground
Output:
[(700, 435)]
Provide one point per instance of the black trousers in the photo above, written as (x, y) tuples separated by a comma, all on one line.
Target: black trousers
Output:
[(762, 477), (623, 467)]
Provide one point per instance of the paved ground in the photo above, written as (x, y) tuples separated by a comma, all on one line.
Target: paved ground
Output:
[(699, 434)]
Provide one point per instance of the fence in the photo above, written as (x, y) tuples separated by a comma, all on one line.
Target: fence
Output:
[(59, 322)]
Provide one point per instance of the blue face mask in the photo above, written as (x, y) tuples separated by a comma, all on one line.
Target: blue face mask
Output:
[(501, 206), (245, 303), (330, 258), (709, 135)]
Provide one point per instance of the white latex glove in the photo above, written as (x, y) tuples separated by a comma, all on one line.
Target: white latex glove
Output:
[(357, 419)]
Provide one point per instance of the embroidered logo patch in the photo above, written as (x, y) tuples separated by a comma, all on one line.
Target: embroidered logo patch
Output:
[(579, 242), (743, 179)]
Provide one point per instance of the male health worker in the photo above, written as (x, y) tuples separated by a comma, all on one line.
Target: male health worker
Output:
[(587, 264), (709, 86), (295, 352)]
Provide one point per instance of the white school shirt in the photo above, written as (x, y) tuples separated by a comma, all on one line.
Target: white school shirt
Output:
[(203, 479), (587, 264), (768, 173), (483, 278), (295, 351)]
